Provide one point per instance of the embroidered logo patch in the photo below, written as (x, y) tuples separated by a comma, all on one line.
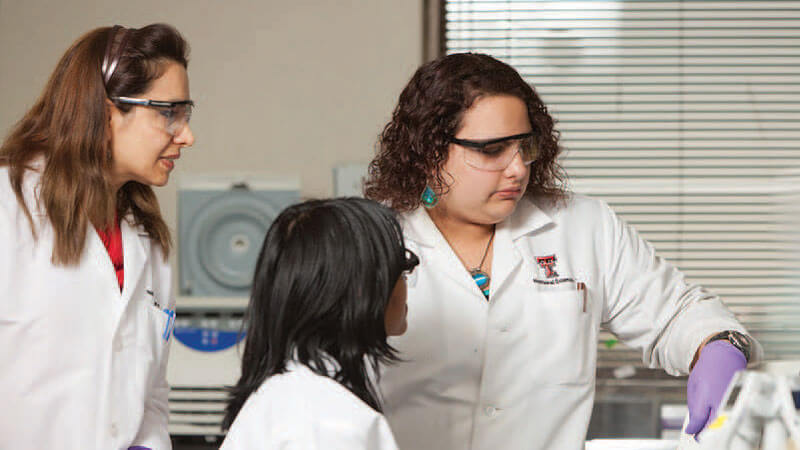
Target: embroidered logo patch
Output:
[(548, 263), (548, 269)]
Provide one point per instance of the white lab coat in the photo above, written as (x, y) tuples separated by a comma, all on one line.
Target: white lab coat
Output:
[(82, 366), (302, 410), (518, 372)]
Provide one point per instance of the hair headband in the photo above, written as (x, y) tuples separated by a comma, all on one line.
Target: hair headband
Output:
[(110, 64)]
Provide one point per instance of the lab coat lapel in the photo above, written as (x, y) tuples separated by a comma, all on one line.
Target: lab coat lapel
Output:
[(136, 252), (419, 228), (507, 255), (527, 218), (98, 254)]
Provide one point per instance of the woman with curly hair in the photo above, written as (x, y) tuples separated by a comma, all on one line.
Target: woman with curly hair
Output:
[(517, 275), (86, 307)]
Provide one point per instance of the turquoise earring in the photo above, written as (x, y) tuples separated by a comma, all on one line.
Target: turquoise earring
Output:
[(429, 198)]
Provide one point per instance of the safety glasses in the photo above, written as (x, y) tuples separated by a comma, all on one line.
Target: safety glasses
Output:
[(411, 262), (175, 115), (496, 154)]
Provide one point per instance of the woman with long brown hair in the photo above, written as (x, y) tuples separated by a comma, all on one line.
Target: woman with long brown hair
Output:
[(86, 308)]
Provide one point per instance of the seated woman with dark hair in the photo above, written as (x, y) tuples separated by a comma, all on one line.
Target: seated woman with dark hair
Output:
[(329, 288)]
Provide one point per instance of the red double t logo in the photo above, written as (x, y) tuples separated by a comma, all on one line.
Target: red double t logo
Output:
[(548, 263)]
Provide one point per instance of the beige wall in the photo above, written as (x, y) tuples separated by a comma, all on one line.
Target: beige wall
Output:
[(287, 87)]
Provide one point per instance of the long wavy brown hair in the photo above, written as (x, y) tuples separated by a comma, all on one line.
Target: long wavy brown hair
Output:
[(414, 145), (67, 128)]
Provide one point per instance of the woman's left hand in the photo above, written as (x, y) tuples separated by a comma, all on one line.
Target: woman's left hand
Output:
[(709, 380)]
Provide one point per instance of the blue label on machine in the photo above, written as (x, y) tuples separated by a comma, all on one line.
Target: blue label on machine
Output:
[(207, 339)]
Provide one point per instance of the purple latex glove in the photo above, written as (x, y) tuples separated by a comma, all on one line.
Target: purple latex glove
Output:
[(139, 447), (709, 380)]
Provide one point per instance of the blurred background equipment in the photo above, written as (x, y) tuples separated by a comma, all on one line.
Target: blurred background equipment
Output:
[(348, 180), (222, 223)]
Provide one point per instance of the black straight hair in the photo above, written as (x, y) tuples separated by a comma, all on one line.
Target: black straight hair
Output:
[(323, 279)]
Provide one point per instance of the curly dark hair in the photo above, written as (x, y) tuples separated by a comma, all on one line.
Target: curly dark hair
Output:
[(414, 145)]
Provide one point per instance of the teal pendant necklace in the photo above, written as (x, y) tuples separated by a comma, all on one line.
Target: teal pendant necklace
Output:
[(482, 279)]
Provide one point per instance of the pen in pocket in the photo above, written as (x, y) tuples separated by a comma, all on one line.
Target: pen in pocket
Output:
[(581, 286)]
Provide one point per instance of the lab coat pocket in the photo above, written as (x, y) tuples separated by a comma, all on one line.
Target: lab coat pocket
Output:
[(563, 328)]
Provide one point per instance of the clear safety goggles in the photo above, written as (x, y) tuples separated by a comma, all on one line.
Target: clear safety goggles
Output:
[(497, 154), (174, 116), (411, 262)]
